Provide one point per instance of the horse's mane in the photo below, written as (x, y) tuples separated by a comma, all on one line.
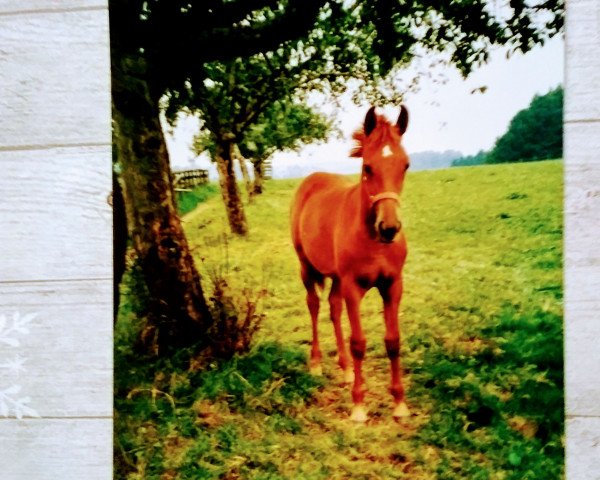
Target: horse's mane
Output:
[(382, 134)]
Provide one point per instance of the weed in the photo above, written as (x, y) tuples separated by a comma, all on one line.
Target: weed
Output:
[(236, 319)]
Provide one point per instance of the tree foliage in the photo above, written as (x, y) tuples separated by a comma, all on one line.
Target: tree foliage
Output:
[(369, 41), (470, 160), (233, 99), (534, 133), (283, 126)]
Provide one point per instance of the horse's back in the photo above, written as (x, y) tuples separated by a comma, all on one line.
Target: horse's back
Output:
[(319, 184), (313, 214)]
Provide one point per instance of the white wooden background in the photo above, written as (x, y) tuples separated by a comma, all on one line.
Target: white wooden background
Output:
[(582, 239), (55, 239)]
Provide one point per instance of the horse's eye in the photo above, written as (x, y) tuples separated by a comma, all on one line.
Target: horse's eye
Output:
[(406, 168), (368, 171)]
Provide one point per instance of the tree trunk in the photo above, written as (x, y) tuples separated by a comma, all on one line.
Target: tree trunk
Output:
[(229, 188), (243, 167), (178, 314), (119, 242), (258, 178)]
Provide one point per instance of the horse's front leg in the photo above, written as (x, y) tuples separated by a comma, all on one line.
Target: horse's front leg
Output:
[(391, 295), (353, 295), (336, 305)]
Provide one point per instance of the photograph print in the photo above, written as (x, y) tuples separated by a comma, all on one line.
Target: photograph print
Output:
[(338, 239)]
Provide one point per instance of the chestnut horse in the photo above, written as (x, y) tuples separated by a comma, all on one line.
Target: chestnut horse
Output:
[(351, 233)]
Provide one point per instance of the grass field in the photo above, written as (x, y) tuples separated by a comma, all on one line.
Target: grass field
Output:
[(481, 324)]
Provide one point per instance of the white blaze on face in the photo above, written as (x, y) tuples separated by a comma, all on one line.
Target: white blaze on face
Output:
[(386, 151)]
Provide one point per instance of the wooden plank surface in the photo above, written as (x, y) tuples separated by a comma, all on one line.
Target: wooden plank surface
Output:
[(583, 461), (57, 224), (582, 248), (55, 285), (50, 449), (14, 7), (582, 207), (62, 351), (54, 79), (582, 360), (582, 60)]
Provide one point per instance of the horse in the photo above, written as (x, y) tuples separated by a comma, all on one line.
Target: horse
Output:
[(351, 234)]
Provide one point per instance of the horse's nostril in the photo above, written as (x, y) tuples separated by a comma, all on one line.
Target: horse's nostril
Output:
[(387, 233)]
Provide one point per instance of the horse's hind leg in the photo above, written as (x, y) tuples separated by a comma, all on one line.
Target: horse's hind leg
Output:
[(335, 309), (310, 278)]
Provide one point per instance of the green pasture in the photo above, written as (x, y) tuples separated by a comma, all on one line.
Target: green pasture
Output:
[(481, 325), (189, 200)]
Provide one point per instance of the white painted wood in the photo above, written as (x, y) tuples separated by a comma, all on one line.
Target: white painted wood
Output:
[(56, 221), (66, 348), (581, 144), (582, 281), (583, 460), (582, 285), (582, 245), (42, 449), (582, 60), (582, 359), (55, 239), (582, 208), (54, 79), (14, 7)]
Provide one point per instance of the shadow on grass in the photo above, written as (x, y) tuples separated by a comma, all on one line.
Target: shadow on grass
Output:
[(498, 395)]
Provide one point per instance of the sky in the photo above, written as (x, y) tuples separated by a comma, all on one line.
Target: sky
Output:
[(442, 116)]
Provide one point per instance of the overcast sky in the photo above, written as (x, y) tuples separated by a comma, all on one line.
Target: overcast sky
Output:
[(442, 117)]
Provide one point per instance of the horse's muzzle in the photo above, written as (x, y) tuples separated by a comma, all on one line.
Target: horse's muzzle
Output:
[(387, 234)]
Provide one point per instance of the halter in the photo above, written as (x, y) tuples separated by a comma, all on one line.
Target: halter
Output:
[(382, 196)]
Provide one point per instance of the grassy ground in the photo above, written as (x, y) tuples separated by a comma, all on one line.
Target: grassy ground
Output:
[(481, 321), (189, 200)]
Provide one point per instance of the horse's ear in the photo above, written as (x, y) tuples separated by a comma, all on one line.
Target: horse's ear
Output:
[(402, 122), (370, 121)]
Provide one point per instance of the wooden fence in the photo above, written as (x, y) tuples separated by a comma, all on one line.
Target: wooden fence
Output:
[(267, 170), (190, 178)]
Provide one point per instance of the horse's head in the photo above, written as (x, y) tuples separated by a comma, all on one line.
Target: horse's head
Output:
[(384, 166)]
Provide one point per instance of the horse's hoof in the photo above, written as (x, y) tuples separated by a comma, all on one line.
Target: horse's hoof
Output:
[(401, 411), (348, 376), (316, 370), (359, 414)]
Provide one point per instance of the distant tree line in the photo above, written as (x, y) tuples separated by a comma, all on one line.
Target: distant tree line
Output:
[(534, 133), (468, 160)]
